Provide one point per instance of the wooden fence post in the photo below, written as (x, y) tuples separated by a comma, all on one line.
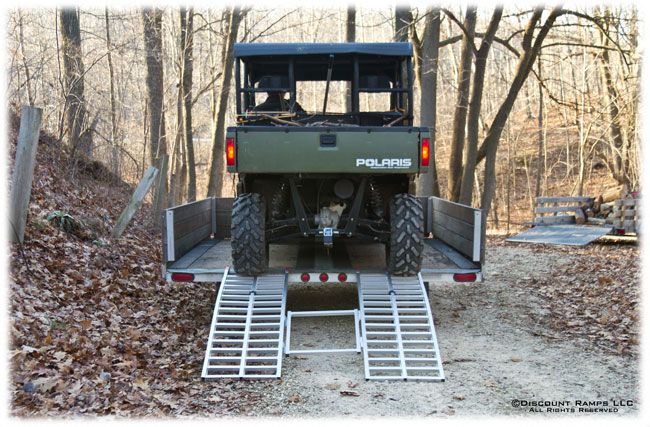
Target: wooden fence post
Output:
[(30, 127), (160, 197), (136, 200)]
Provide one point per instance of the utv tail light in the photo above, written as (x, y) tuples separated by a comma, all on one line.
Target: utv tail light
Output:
[(343, 277), (324, 277), (182, 277), (230, 151), (425, 152), (464, 277), (304, 277)]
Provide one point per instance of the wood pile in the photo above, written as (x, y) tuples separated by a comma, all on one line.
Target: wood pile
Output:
[(616, 206)]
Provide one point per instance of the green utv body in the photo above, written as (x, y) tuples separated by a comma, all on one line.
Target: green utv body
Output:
[(322, 174)]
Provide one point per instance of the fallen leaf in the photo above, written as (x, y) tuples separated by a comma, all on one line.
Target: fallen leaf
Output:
[(294, 398), (141, 384)]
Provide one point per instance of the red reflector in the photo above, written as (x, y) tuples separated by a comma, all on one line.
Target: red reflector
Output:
[(304, 277), (426, 151), (323, 277), (230, 151), (464, 277), (620, 231), (182, 277), (343, 277)]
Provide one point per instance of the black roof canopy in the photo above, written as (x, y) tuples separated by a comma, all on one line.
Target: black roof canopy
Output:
[(245, 50)]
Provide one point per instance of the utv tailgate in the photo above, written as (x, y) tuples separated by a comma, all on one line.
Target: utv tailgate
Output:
[(272, 149)]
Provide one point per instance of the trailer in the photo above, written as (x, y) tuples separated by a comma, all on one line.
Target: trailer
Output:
[(250, 329)]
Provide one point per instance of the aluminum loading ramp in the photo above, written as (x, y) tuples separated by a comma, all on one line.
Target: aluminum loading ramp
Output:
[(399, 337), (561, 234), (247, 330), (394, 328)]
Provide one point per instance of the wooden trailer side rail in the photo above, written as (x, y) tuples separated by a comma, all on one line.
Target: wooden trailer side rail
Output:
[(457, 225)]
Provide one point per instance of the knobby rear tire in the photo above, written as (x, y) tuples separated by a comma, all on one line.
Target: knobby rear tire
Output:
[(249, 246), (404, 251)]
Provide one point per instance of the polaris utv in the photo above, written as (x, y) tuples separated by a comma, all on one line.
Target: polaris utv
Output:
[(323, 174)]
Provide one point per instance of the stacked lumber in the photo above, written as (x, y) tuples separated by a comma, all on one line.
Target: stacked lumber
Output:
[(614, 206), (625, 215), (563, 210)]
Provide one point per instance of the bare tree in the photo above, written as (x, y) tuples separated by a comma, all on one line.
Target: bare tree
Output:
[(152, 20), (220, 103), (111, 77), (540, 131), (350, 37), (462, 106), (187, 41), (619, 148), (403, 20), (469, 165), (74, 80), (21, 39), (351, 24), (427, 184), (531, 46)]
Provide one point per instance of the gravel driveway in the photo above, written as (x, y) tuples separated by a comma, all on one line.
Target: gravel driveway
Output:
[(493, 352)]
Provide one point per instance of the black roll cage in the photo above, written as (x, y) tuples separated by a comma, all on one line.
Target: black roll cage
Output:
[(350, 67)]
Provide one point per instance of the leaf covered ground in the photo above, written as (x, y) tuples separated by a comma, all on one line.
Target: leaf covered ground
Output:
[(593, 292), (94, 328)]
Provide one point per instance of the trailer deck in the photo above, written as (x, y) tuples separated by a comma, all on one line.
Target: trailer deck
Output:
[(211, 256)]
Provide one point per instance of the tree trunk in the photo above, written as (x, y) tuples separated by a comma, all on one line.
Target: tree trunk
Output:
[(74, 81), (462, 102), (350, 37), (540, 132), (187, 39), (617, 158), (177, 163), (152, 20), (115, 154), (427, 184), (220, 105), (403, 19), (526, 60), (21, 41), (351, 25), (474, 116)]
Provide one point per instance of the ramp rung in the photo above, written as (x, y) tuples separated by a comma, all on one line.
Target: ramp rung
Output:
[(247, 330), (237, 359)]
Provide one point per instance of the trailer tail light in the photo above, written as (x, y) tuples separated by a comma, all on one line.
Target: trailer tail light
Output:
[(464, 277), (620, 232), (230, 151), (304, 277), (324, 277), (182, 277), (343, 277), (425, 152)]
